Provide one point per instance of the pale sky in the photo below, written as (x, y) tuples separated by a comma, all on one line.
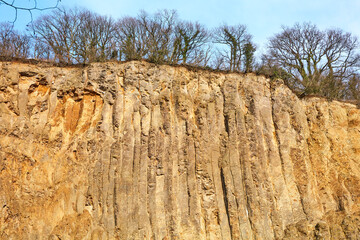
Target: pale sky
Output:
[(263, 18)]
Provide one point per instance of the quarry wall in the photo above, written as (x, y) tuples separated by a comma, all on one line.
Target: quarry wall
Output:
[(141, 151)]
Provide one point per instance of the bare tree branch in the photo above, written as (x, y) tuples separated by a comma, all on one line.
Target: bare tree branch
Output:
[(22, 7)]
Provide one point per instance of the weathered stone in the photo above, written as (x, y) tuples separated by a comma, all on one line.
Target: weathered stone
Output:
[(141, 151)]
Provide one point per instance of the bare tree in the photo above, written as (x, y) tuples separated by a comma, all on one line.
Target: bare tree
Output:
[(94, 37), (76, 35), (21, 45), (249, 58), (12, 43), (6, 32), (190, 38), (161, 38), (81, 36), (234, 39), (58, 31), (218, 61), (131, 38), (319, 62), (353, 88), (105, 28), (41, 50), (29, 7), (271, 68), (86, 38), (202, 56), (159, 33)]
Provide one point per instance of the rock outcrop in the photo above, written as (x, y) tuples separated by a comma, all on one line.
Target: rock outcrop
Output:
[(141, 151)]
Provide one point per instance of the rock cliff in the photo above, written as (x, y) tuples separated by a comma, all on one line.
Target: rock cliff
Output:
[(141, 151)]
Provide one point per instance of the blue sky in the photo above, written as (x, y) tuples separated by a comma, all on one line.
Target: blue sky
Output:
[(263, 18)]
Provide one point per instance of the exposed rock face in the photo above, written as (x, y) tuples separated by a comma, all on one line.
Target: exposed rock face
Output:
[(138, 151)]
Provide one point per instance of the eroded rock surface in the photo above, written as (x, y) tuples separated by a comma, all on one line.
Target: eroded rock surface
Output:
[(139, 151)]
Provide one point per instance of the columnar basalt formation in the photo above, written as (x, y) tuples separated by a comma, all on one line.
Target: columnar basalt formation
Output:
[(141, 151)]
